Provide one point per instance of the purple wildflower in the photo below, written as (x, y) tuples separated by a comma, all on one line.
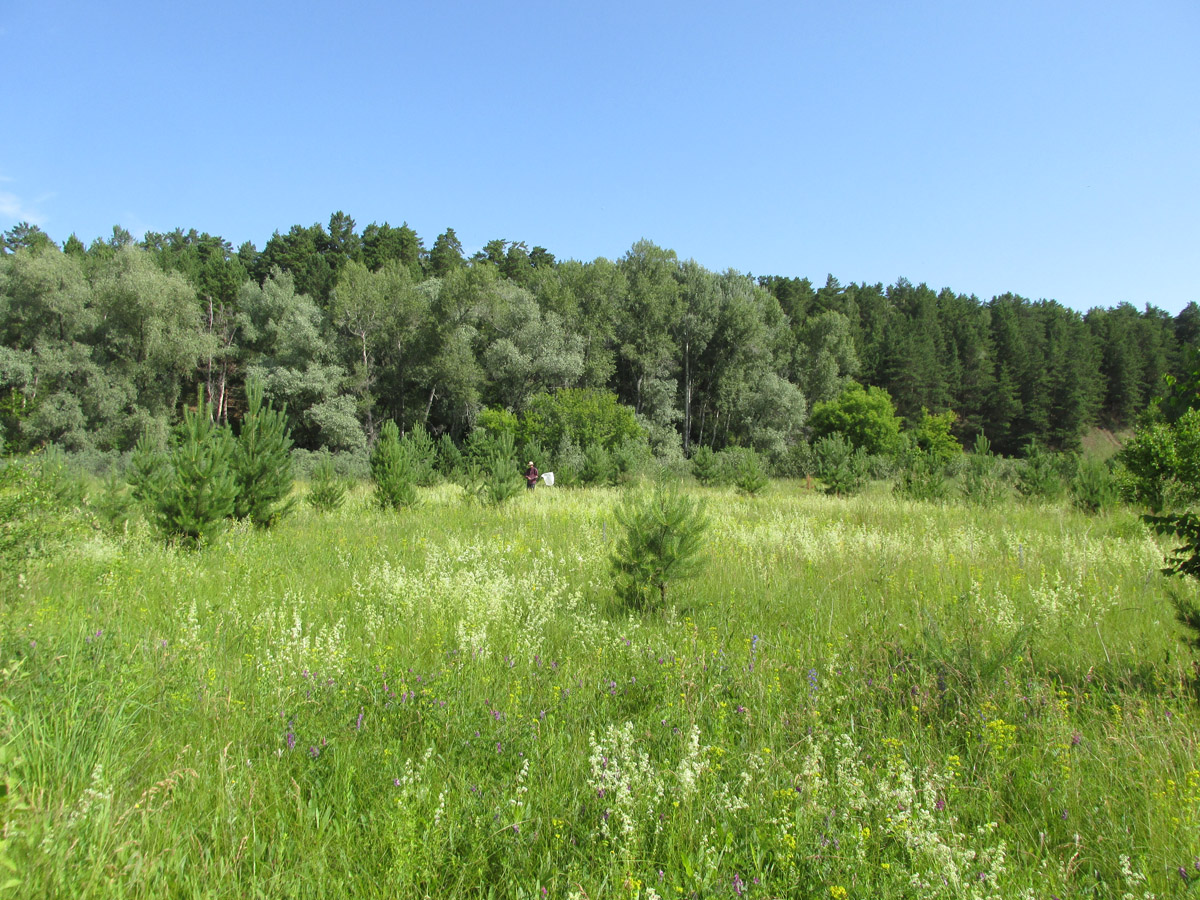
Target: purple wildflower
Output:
[(738, 885)]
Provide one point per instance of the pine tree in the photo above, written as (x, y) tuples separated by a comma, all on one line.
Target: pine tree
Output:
[(749, 476), (705, 467), (661, 541), (328, 491), (392, 470), (262, 462), (192, 490)]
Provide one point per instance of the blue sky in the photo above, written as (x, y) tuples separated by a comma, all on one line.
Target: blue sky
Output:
[(1050, 149)]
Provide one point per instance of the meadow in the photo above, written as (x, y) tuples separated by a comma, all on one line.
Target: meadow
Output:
[(862, 697)]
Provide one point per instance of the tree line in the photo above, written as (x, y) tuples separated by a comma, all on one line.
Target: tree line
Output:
[(349, 329)]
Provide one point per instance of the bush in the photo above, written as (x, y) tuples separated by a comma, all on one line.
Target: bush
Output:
[(115, 505), (348, 466), (705, 467), (632, 458), (922, 478), (1039, 476), (1161, 463), (1093, 487), (598, 467), (569, 462), (587, 416), (496, 479), (1184, 560), (189, 491), (328, 490), (751, 476), (660, 542), (798, 461), (392, 470), (261, 461), (982, 480), (840, 466), (932, 436), (34, 520), (449, 457), (422, 455), (863, 416)]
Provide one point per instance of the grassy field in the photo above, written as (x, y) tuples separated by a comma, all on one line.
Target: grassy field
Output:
[(858, 698)]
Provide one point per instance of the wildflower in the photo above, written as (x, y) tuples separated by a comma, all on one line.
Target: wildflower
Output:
[(837, 892), (313, 751), (738, 886), (358, 724)]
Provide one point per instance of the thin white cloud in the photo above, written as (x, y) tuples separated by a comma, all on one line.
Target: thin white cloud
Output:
[(14, 208)]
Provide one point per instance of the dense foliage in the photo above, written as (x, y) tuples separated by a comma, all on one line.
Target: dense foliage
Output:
[(349, 329)]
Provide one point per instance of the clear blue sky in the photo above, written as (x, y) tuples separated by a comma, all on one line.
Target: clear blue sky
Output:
[(1047, 148)]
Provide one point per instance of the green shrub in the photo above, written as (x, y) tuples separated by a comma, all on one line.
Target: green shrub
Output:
[(569, 462), (842, 467), (503, 474), (449, 457), (585, 415), (190, 490), (931, 435), (114, 505), (392, 470), (922, 477), (863, 416), (751, 476), (34, 516), (661, 537), (422, 454), (1184, 560), (631, 459), (262, 461), (705, 467), (1161, 463), (798, 461), (598, 466), (1093, 488), (1040, 477), (982, 481), (327, 492)]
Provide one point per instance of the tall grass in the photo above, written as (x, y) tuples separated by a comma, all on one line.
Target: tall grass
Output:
[(864, 697)]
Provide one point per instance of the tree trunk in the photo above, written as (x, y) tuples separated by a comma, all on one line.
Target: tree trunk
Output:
[(687, 399), (429, 406)]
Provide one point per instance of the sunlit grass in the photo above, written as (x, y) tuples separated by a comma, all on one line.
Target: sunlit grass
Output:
[(862, 698)]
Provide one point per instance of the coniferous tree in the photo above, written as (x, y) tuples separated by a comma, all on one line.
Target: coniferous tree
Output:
[(660, 542), (262, 461), (328, 491), (392, 470), (191, 491)]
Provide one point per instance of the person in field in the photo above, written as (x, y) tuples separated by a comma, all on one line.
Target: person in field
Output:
[(531, 476)]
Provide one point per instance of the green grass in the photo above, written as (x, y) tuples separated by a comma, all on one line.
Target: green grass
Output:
[(858, 697)]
